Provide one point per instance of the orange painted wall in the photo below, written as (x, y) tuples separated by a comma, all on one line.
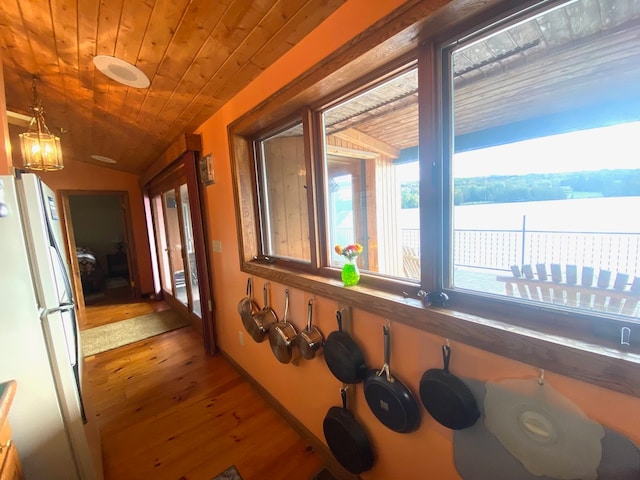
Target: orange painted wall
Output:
[(308, 390), (82, 176)]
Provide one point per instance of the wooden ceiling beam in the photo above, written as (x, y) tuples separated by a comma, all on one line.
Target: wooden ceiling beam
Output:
[(370, 143)]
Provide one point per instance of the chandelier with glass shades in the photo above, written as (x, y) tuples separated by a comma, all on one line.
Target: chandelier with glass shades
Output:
[(41, 150)]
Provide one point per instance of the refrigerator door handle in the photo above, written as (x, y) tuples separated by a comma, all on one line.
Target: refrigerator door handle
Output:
[(74, 362), (64, 307), (54, 246)]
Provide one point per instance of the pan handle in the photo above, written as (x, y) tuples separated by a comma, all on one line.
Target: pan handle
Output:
[(446, 356), (387, 344), (343, 394), (387, 355), (264, 293), (286, 305), (339, 318), (309, 312)]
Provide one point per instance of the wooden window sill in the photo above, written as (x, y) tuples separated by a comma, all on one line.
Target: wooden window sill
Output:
[(583, 360)]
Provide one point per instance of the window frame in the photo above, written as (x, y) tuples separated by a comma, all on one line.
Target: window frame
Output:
[(304, 118), (379, 76), (558, 342), (583, 325)]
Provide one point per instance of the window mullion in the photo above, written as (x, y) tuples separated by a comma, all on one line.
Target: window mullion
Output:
[(431, 207)]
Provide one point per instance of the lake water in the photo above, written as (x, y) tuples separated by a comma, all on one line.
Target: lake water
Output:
[(617, 214)]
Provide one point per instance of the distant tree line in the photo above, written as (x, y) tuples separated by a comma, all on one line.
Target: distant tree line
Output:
[(535, 187)]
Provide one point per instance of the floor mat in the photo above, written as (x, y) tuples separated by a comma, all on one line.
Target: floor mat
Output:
[(229, 474), (113, 335)]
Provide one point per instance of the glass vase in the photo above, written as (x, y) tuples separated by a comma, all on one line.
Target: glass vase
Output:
[(350, 274)]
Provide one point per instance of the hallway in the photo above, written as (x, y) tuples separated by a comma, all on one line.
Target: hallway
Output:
[(167, 411)]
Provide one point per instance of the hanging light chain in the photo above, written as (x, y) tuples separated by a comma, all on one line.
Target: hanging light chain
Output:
[(38, 110)]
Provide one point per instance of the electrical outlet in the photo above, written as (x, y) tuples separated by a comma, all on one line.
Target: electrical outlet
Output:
[(241, 337), (216, 246)]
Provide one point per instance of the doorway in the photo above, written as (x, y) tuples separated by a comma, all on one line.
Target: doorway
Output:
[(176, 227), (176, 247), (100, 245)]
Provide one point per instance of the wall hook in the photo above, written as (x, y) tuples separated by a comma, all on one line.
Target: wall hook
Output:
[(625, 336)]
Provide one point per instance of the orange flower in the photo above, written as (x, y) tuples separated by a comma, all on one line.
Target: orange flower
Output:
[(350, 251)]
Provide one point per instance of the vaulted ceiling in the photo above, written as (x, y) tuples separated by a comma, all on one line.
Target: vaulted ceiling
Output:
[(197, 54)]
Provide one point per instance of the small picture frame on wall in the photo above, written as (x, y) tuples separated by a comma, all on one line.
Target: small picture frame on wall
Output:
[(207, 175)]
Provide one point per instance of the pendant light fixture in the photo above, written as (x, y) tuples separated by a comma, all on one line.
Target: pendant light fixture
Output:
[(41, 149)]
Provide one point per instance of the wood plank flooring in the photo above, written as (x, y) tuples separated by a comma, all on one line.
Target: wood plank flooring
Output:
[(117, 305), (168, 411)]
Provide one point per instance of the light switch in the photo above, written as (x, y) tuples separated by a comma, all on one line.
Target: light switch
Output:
[(216, 245)]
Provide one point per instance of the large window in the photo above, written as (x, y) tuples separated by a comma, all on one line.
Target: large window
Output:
[(367, 141), (543, 161), (499, 167)]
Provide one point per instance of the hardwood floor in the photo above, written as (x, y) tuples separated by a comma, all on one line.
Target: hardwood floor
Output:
[(168, 411), (117, 304)]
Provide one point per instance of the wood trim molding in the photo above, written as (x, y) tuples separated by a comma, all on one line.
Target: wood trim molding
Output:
[(318, 446), (581, 359), (76, 280), (184, 143), (123, 196)]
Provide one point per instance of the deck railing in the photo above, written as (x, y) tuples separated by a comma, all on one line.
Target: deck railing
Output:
[(500, 249)]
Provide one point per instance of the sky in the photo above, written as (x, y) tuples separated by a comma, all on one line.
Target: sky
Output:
[(614, 147)]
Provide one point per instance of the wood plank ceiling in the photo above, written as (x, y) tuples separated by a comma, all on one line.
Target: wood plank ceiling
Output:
[(196, 53), (583, 56)]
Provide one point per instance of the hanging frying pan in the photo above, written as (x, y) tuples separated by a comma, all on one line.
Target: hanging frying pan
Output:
[(389, 399), (309, 340), (282, 335), (247, 307), (346, 438), (446, 397), (343, 356), (263, 319)]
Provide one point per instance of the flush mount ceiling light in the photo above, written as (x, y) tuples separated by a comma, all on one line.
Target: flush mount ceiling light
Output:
[(41, 150), (121, 71), (101, 158)]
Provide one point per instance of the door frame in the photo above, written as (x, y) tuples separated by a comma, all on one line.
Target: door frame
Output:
[(123, 196), (185, 170)]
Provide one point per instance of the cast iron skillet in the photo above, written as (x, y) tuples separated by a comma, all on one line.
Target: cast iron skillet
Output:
[(343, 356), (346, 438), (447, 398), (389, 399)]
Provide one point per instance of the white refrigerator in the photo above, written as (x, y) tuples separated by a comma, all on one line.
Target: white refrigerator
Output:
[(39, 338)]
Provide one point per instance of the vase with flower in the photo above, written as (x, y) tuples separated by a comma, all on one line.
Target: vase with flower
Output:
[(350, 274)]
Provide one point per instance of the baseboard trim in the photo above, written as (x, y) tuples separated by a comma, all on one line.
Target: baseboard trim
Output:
[(318, 446)]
